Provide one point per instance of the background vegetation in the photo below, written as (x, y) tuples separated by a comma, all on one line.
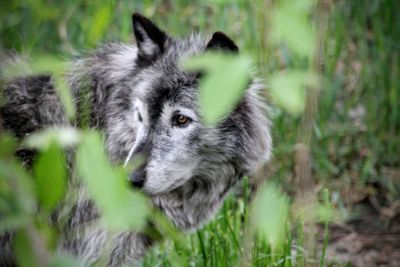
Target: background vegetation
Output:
[(336, 140)]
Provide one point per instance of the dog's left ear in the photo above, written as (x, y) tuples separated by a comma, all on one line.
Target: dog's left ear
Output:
[(150, 39), (219, 41)]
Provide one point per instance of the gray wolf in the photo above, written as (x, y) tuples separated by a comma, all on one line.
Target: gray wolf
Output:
[(146, 103)]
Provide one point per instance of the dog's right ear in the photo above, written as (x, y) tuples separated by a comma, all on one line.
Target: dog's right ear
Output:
[(150, 39), (220, 41)]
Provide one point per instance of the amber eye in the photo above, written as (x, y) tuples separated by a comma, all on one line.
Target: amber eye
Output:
[(181, 120)]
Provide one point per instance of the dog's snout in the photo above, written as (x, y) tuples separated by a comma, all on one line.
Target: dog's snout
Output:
[(138, 177)]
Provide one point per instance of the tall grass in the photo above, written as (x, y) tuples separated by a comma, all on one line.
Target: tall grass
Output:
[(226, 241)]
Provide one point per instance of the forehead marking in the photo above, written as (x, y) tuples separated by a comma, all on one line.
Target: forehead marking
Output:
[(142, 87)]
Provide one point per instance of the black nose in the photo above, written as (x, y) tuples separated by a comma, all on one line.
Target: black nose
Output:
[(137, 178)]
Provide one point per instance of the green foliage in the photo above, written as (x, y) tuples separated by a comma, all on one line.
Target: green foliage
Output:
[(17, 196), (50, 177), (226, 78), (24, 250), (27, 203), (61, 260), (271, 211), (121, 208), (289, 89), (57, 67), (99, 23), (290, 23), (62, 136)]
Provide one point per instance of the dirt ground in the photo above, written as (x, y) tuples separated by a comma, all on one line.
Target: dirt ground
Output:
[(372, 240)]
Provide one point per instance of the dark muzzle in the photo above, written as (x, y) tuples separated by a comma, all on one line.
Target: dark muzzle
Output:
[(138, 177)]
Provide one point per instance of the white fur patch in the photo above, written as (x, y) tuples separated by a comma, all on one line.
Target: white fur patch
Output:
[(139, 136), (140, 110), (123, 62), (178, 173)]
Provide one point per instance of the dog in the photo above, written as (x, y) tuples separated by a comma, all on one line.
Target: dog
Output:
[(146, 104)]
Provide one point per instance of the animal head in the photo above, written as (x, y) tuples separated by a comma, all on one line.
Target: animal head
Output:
[(153, 111), (169, 131)]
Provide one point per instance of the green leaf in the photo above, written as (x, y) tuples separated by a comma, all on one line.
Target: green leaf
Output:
[(55, 66), (64, 94), (122, 209), (223, 85), (13, 67), (290, 24), (288, 89), (271, 211), (63, 136), (64, 260), (47, 63), (50, 176), (8, 145), (99, 24), (23, 248), (16, 190)]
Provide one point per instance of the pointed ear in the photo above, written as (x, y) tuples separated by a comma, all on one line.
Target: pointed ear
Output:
[(219, 41), (150, 39)]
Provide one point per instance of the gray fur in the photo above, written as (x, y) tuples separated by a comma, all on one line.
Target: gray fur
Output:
[(132, 94)]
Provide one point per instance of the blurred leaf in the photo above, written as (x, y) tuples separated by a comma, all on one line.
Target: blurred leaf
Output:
[(24, 250), (63, 260), (46, 63), (290, 23), (47, 233), (45, 11), (63, 136), (8, 145), (223, 85), (288, 89), (51, 176), (16, 189), (55, 66), (14, 66), (162, 227), (99, 24), (271, 210), (310, 210), (11, 222), (65, 95), (326, 211), (121, 208)]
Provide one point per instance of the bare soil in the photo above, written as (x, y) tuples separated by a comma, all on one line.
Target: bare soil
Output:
[(371, 240)]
